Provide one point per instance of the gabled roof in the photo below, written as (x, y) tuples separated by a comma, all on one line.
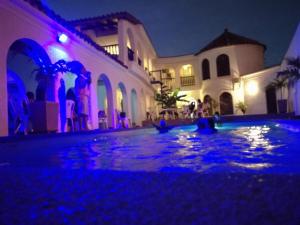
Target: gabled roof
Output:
[(51, 14), (226, 39)]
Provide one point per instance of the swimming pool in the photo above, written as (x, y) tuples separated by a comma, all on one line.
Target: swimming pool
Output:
[(236, 147), (246, 173)]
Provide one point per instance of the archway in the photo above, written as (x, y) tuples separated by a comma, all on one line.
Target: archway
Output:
[(226, 104), (134, 107), (74, 97), (25, 58), (105, 99)]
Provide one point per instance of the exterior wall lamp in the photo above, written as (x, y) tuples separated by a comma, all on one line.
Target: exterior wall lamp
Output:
[(62, 38)]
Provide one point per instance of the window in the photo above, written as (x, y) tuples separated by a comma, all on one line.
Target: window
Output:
[(186, 70), (223, 67), (205, 70)]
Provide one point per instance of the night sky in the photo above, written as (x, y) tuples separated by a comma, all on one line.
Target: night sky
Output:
[(179, 27)]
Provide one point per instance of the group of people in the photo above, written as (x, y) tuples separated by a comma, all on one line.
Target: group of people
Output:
[(203, 109), (204, 125), (206, 121), (77, 105), (19, 113)]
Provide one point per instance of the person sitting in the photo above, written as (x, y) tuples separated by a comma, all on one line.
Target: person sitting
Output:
[(206, 126), (162, 127)]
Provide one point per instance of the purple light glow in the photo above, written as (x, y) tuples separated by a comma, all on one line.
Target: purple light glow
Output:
[(63, 38)]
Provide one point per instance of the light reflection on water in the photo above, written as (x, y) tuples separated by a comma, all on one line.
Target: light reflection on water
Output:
[(232, 148)]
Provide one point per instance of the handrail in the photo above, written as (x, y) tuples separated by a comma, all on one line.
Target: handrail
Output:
[(112, 49), (187, 80)]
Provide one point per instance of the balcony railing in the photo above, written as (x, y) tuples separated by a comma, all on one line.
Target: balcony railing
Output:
[(187, 81), (112, 49)]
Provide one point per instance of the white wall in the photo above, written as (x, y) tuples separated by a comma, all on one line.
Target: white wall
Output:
[(256, 102)]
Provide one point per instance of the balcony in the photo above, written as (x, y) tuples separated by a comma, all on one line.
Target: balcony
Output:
[(187, 81), (112, 49)]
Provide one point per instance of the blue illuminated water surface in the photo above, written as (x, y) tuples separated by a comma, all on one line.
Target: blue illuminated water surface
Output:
[(246, 173), (235, 147)]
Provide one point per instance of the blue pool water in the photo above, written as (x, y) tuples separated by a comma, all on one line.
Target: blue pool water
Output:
[(246, 173), (235, 147)]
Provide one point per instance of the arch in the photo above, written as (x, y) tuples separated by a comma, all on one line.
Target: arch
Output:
[(24, 59), (226, 104), (134, 107), (205, 70), (105, 102), (223, 65), (75, 81)]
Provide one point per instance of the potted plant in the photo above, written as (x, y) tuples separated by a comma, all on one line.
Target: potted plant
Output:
[(45, 111), (241, 106), (280, 83)]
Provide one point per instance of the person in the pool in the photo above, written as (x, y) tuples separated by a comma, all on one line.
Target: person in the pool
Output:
[(217, 119), (162, 127), (206, 126)]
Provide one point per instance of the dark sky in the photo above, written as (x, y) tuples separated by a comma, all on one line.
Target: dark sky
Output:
[(179, 27)]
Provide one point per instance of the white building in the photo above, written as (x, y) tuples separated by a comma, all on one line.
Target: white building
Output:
[(229, 70)]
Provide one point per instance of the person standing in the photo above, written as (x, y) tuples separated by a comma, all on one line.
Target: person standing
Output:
[(199, 108)]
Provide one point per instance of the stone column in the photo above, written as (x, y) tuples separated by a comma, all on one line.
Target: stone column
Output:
[(94, 104), (296, 99), (122, 42)]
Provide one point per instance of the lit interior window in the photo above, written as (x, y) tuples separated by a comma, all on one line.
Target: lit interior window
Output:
[(186, 70)]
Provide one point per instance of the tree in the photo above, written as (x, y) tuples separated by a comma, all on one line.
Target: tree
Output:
[(292, 72), (168, 98), (279, 83)]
